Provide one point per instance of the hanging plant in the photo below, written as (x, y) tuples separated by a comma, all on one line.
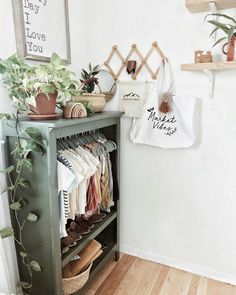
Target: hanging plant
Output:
[(29, 140)]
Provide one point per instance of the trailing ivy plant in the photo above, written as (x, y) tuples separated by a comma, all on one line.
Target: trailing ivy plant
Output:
[(28, 140)]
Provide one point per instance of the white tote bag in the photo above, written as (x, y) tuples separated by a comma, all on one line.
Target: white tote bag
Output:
[(171, 130), (132, 96)]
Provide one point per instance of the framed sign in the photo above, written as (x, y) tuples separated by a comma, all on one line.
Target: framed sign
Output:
[(41, 28)]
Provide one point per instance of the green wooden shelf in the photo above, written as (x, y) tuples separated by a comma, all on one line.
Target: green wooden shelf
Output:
[(99, 227), (42, 238)]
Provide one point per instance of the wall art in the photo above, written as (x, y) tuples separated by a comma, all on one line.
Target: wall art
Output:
[(41, 28)]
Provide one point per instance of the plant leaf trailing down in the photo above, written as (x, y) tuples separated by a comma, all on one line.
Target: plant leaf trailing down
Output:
[(28, 140)]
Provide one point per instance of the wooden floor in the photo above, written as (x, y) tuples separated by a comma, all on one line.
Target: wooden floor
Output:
[(135, 276)]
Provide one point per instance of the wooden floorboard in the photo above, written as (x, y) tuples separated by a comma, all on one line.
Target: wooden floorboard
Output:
[(136, 276)]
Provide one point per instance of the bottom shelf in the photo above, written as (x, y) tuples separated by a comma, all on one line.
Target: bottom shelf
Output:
[(110, 252)]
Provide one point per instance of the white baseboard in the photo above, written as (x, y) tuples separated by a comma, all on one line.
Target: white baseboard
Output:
[(182, 265)]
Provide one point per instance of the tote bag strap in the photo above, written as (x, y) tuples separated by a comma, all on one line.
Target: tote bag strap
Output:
[(168, 77)]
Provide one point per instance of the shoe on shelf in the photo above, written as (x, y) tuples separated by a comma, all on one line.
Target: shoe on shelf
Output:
[(74, 226), (66, 243), (83, 222), (95, 218), (77, 237)]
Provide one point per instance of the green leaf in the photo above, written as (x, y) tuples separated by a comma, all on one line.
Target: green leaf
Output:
[(8, 169), (34, 147), (24, 285), (32, 217), (222, 15), (48, 88), (15, 206), (35, 135), (90, 67), (2, 69), (231, 32), (221, 26), (96, 67), (85, 74), (27, 163), (35, 265), (23, 183), (214, 31), (23, 254), (6, 232), (218, 41), (4, 116), (55, 59)]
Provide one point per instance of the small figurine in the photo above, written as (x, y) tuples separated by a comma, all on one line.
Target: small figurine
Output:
[(201, 57)]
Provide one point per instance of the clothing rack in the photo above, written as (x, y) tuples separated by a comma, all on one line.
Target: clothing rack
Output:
[(43, 196), (81, 139)]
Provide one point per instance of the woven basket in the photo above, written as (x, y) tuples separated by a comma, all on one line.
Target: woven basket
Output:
[(74, 284)]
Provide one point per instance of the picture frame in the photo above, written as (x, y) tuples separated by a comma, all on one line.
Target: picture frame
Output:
[(40, 31)]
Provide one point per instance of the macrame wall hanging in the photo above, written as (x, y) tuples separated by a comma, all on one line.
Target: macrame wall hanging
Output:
[(130, 65)]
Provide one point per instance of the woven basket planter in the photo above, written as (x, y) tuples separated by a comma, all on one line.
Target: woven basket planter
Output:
[(76, 283)]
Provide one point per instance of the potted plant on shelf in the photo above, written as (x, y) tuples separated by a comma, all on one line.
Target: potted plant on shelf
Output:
[(38, 89), (227, 28), (89, 81)]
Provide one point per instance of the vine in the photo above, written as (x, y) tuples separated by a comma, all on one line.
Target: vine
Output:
[(28, 140)]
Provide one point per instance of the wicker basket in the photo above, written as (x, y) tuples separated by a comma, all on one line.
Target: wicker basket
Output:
[(74, 284)]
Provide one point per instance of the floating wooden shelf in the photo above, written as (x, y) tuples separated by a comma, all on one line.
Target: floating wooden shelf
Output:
[(203, 5), (211, 66)]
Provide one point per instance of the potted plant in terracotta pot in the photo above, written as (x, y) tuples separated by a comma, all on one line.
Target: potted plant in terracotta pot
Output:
[(229, 29), (89, 81), (38, 89)]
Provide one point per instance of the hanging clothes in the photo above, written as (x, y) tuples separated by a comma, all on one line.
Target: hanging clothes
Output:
[(65, 180), (85, 182)]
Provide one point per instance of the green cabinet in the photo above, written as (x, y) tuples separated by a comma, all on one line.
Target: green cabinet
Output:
[(43, 238)]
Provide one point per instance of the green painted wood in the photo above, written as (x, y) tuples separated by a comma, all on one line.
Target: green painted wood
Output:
[(61, 123), (42, 237)]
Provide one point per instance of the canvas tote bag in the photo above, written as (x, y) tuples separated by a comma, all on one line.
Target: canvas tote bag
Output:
[(132, 96), (170, 130)]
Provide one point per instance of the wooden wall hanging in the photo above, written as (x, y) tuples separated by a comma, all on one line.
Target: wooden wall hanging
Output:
[(144, 60)]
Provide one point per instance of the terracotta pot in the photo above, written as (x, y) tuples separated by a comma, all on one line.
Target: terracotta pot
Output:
[(97, 101), (44, 105), (231, 54)]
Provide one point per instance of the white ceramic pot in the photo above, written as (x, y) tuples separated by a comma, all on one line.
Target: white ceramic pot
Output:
[(97, 101)]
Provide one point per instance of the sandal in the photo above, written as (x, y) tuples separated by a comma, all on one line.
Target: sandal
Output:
[(95, 218), (66, 243), (84, 222), (74, 235), (78, 228)]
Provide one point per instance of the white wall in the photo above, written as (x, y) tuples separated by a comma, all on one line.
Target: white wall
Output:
[(178, 206)]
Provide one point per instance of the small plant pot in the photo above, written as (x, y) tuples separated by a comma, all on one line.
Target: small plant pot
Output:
[(231, 49), (97, 101), (44, 105)]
